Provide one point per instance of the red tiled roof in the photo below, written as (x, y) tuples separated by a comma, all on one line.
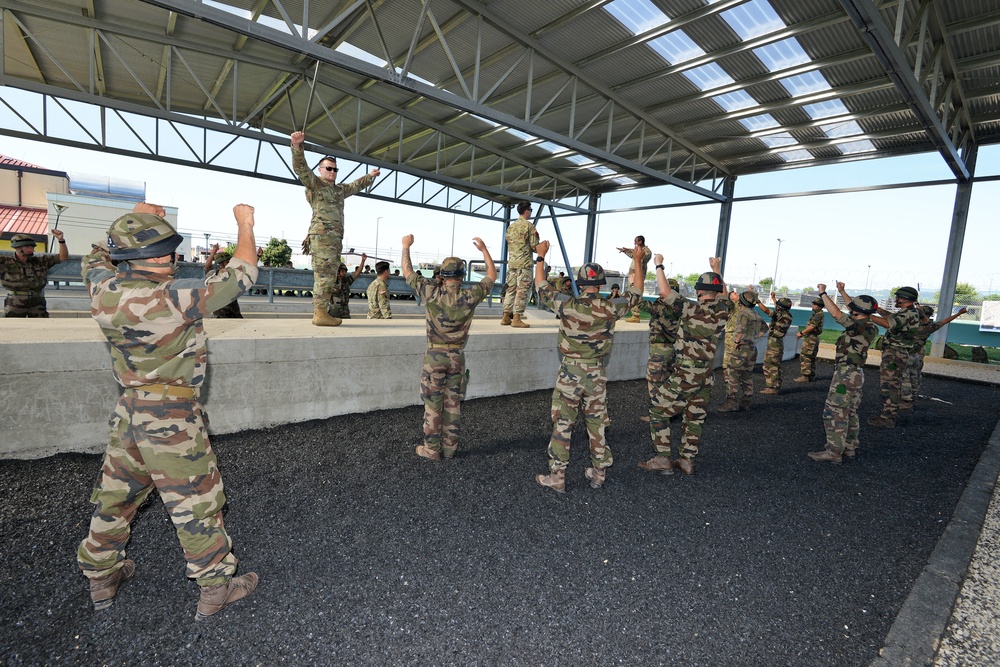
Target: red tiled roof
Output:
[(23, 220), (4, 160)]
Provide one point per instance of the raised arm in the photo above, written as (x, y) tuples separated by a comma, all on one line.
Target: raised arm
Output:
[(716, 264), (949, 320), (637, 281), (542, 248), (767, 311), (491, 269), (63, 249), (213, 251), (662, 285), (407, 265), (246, 245), (830, 304)]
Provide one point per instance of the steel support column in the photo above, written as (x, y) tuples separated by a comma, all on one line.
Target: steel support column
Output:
[(953, 258), (725, 216), (562, 248), (590, 240), (503, 245)]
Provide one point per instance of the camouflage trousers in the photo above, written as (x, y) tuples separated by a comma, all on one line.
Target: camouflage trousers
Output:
[(579, 383), (340, 304), (807, 356), (661, 358), (772, 362), (229, 311), (840, 413), (687, 391), (911, 377), (442, 388), (737, 373), (730, 345), (891, 372), (16, 305), (159, 443), (325, 250), (518, 286)]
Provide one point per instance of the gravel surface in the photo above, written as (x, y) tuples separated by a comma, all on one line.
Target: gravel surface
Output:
[(370, 555)]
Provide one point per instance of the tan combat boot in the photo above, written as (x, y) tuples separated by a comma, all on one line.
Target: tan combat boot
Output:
[(505, 321), (519, 323), (802, 378), (730, 405), (825, 455), (322, 318), (882, 421), (216, 598), (104, 589), (554, 480), (686, 466), (428, 453), (769, 391), (634, 319), (596, 476), (661, 464)]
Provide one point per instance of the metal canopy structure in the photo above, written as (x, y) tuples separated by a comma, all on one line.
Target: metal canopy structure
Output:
[(473, 104)]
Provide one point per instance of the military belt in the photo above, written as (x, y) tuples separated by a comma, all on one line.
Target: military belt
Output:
[(21, 292), (445, 346), (165, 390), (691, 363), (661, 345)]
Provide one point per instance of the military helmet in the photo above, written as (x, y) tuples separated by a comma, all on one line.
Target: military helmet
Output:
[(709, 282), (928, 310), (615, 286), (784, 303), (864, 304), (223, 257), (908, 293), (21, 240), (674, 285), (452, 267), (590, 274), (748, 299), (818, 302), (141, 236)]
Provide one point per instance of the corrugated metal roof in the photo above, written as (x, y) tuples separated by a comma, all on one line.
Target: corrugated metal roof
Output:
[(23, 220), (14, 162)]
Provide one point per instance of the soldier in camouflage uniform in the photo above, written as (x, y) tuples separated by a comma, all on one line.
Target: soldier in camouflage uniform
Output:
[(781, 320), (378, 294), (840, 414), (749, 327), (586, 330), (644, 256), (915, 362), (897, 344), (732, 310), (216, 262), (522, 239), (443, 379), (24, 275), (810, 343), (326, 230), (664, 326), (340, 302), (158, 434), (690, 386)]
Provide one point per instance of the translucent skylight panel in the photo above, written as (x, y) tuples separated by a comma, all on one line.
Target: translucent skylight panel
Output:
[(862, 146), (637, 15), (520, 135), (753, 19), (708, 76), (579, 159), (550, 147), (735, 101), (803, 84), (795, 156), (762, 122), (624, 180), (780, 139), (825, 109), (847, 129), (676, 47), (603, 171), (782, 55)]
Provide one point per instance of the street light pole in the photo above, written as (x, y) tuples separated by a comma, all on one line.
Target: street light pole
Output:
[(867, 276), (206, 242), (774, 279), (59, 211), (753, 281), (378, 220)]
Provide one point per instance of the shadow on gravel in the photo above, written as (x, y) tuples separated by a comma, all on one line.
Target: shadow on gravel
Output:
[(370, 555)]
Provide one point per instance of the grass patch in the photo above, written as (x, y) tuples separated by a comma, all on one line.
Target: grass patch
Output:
[(964, 351)]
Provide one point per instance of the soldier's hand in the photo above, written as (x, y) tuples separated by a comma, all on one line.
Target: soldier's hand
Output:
[(841, 286), (363, 257), (715, 263), (215, 248), (260, 252), (375, 172), (298, 138), (478, 242), (542, 248), (144, 207), (58, 234), (244, 214), (657, 259), (97, 247), (821, 287), (408, 240), (963, 310), (773, 296)]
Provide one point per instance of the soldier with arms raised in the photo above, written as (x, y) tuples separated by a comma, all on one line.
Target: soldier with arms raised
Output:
[(24, 275), (781, 320), (810, 342)]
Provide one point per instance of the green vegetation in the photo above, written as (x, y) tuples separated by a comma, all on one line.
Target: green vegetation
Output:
[(964, 351), (965, 294), (276, 253)]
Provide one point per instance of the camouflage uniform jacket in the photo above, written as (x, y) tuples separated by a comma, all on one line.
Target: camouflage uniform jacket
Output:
[(664, 320), (378, 300), (155, 322), (27, 276), (326, 199), (701, 325), (522, 237), (342, 290), (749, 323), (925, 331), (647, 254), (816, 322), (587, 322), (902, 331), (853, 344), (449, 307), (780, 321)]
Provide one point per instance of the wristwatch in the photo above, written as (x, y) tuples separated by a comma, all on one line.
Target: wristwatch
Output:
[(539, 259)]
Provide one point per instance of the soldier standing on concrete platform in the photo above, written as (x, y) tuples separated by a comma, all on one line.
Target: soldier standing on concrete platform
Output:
[(810, 343), (840, 413), (586, 330), (781, 320), (749, 327), (24, 275), (522, 239), (158, 434), (915, 362), (378, 294), (644, 256), (664, 326), (443, 379), (326, 229), (216, 262), (690, 385), (897, 344), (340, 302)]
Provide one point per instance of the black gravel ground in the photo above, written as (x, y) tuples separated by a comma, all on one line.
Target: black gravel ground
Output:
[(370, 555)]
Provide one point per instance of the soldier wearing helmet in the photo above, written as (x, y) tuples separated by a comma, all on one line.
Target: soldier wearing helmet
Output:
[(340, 302), (522, 240), (644, 256), (159, 440), (899, 341), (443, 378), (325, 240), (24, 275), (840, 413), (586, 333), (748, 329), (781, 320), (810, 342), (690, 385), (915, 362), (664, 329), (215, 262)]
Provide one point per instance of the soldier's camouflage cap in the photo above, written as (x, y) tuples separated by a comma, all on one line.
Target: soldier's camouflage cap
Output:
[(452, 267), (709, 282), (908, 293), (141, 236), (928, 310), (784, 303), (864, 304), (748, 299), (21, 240), (590, 274), (674, 285), (818, 302), (222, 257)]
